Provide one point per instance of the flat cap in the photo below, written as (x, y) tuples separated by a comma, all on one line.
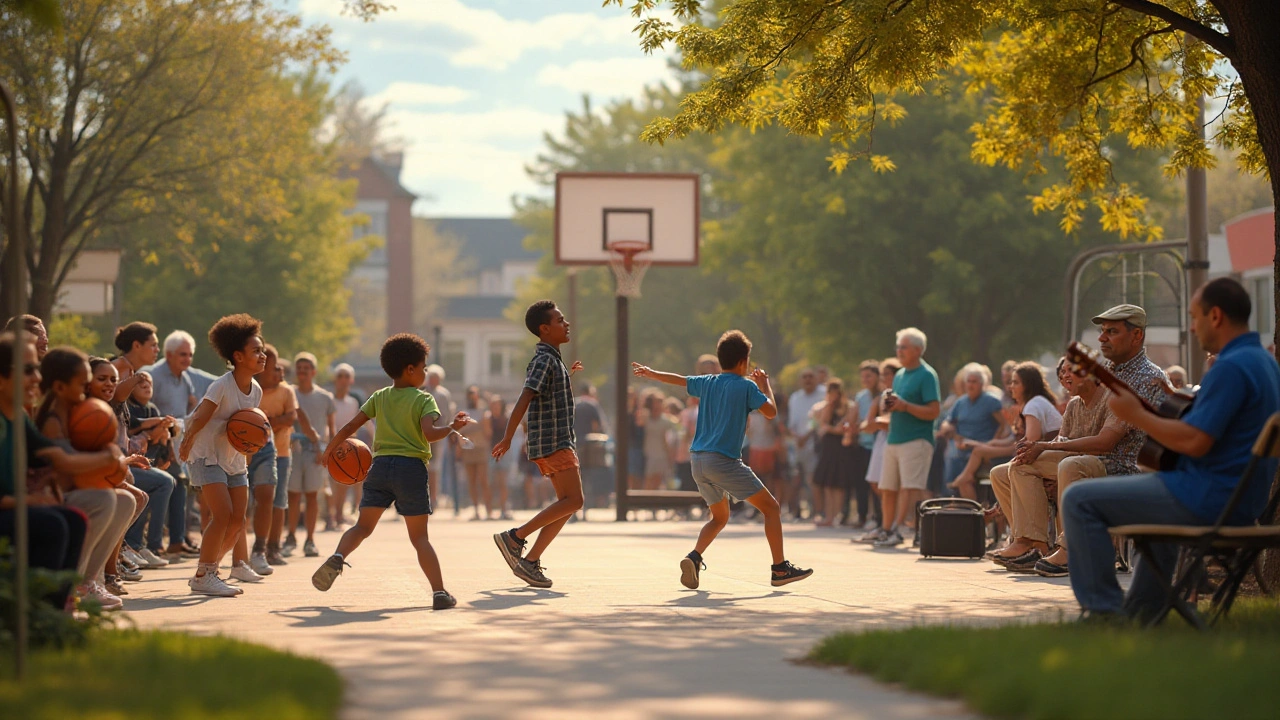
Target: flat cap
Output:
[(1132, 313)]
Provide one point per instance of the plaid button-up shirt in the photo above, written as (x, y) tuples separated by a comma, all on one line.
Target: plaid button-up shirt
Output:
[(551, 411), (1147, 380)]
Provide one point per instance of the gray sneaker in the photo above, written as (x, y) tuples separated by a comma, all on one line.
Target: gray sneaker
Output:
[(442, 600), (275, 558), (871, 537), (511, 547), (290, 544), (328, 572), (892, 539), (309, 549), (531, 573)]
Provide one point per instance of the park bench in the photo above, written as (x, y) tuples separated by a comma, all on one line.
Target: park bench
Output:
[(1236, 548)]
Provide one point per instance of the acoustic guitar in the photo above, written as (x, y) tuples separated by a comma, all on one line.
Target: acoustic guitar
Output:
[(1153, 455)]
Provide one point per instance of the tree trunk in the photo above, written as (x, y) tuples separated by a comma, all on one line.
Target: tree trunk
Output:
[(1255, 25)]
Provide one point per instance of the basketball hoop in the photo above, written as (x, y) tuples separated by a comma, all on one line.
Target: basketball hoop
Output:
[(628, 265)]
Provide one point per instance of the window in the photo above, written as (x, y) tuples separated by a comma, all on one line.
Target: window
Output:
[(453, 358), (505, 358)]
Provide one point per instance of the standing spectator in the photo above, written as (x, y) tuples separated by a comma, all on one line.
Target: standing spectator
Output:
[(588, 417), (441, 465), (800, 426), (863, 442), (913, 405), (835, 458), (688, 425), (502, 473), (658, 425), (475, 459), (307, 474), (708, 364), (763, 443), (346, 406), (174, 394)]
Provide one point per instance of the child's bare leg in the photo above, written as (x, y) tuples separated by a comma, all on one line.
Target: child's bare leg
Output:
[(768, 506), (427, 560), (313, 512), (568, 485), (719, 517), (337, 502), (235, 536), (263, 495), (217, 498), (291, 515), (356, 534)]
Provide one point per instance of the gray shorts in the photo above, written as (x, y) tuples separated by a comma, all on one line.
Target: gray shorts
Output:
[(305, 476), (202, 475), (719, 475)]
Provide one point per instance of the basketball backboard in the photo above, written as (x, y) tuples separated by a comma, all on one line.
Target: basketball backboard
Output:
[(594, 210)]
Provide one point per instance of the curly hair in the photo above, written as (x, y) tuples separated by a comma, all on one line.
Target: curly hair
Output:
[(231, 333), (537, 315), (732, 349), (400, 351)]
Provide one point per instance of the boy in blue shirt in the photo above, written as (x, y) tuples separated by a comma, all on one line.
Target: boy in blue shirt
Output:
[(724, 402)]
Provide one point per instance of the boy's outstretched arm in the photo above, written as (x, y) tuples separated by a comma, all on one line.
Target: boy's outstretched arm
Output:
[(347, 431), (761, 379), (645, 371), (501, 447)]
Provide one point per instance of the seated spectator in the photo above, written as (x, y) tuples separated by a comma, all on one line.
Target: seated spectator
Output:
[(1177, 376), (1213, 441), (1021, 486), (150, 434), (1038, 419), (975, 418)]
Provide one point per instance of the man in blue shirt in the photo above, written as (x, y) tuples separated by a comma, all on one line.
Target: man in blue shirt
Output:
[(1214, 440), (725, 401)]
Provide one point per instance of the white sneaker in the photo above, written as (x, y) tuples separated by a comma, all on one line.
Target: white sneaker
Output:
[(96, 592), (132, 556), (151, 559), (242, 572), (211, 584), (258, 561)]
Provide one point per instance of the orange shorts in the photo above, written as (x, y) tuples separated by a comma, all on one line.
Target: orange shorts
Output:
[(558, 461)]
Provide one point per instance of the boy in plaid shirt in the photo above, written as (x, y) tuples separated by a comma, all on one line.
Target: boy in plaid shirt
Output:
[(548, 399)]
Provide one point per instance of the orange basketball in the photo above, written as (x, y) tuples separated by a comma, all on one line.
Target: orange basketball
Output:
[(91, 425), (249, 431), (350, 461)]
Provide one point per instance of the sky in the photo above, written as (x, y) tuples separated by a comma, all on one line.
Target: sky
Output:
[(472, 85)]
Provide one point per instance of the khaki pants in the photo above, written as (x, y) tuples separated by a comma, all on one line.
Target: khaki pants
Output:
[(1071, 469), (1020, 490)]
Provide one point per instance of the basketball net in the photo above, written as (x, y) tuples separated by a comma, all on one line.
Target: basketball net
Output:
[(628, 266)]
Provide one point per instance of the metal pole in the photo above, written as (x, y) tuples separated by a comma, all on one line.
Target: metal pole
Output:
[(622, 430), (1197, 243), (571, 277), (1070, 313), (17, 427)]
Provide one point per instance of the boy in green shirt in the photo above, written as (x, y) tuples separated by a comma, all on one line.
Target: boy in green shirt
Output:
[(401, 448)]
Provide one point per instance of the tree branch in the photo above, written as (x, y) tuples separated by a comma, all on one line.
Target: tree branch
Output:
[(1222, 43)]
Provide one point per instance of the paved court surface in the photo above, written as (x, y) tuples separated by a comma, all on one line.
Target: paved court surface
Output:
[(617, 636)]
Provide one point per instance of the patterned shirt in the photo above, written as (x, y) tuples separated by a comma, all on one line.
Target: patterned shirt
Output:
[(1147, 381), (1082, 421), (551, 411)]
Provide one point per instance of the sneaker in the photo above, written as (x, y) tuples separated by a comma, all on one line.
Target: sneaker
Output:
[(442, 600), (111, 583), (211, 584), (310, 550), (511, 546), (101, 595), (1122, 564), (1044, 568), (151, 559), (532, 573), (785, 573), (129, 555), (690, 570), (872, 537), (290, 544), (323, 578), (128, 573), (258, 561), (275, 558), (1024, 564), (871, 525), (242, 572), (890, 539)]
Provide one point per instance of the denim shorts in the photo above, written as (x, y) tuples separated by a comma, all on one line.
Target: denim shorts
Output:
[(398, 479), (718, 476), (262, 466), (202, 475), (281, 500)]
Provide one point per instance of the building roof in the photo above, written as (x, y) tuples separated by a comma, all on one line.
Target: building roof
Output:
[(476, 307), (379, 179), (490, 242), (1251, 239)]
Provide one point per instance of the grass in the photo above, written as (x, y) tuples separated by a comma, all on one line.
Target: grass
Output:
[(126, 674), (1055, 671)]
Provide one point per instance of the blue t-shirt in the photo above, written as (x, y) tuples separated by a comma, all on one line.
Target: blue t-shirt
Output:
[(865, 400), (1239, 393), (918, 386), (725, 401), (974, 419)]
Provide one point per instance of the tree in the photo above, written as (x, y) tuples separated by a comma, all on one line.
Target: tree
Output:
[(359, 130), (136, 107)]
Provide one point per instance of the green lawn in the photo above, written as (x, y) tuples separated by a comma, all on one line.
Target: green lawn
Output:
[(169, 676), (1068, 671)]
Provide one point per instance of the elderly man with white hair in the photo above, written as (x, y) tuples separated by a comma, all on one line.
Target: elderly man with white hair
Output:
[(175, 395), (913, 404), (346, 404)]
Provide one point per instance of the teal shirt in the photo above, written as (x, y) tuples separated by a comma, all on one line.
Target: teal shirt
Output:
[(918, 386)]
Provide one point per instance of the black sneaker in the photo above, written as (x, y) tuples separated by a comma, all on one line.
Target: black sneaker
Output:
[(531, 573), (785, 573), (511, 546), (328, 572), (1025, 563), (690, 569), (1044, 568), (442, 600), (1122, 564)]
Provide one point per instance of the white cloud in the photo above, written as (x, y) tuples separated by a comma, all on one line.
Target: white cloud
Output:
[(492, 41), (612, 78), (410, 94)]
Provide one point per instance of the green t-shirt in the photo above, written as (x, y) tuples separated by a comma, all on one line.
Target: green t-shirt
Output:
[(399, 429), (918, 386)]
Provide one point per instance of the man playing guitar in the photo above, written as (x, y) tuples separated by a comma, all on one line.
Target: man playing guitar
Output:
[(1213, 440)]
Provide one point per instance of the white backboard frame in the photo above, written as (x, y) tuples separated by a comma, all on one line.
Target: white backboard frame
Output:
[(590, 206)]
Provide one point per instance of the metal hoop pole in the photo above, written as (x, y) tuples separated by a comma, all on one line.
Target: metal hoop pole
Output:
[(622, 434)]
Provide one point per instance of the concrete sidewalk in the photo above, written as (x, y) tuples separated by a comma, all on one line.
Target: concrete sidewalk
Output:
[(617, 636)]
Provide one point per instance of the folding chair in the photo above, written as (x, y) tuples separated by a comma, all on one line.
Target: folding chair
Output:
[(1236, 548)]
